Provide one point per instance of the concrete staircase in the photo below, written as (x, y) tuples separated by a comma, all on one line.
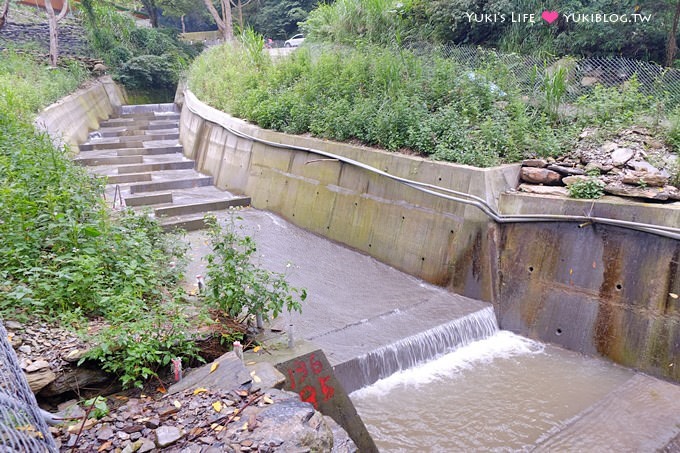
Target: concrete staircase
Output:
[(139, 152)]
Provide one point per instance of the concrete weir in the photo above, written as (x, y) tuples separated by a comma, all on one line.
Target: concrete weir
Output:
[(588, 286)]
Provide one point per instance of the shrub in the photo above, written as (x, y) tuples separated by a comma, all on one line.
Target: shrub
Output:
[(237, 285), (150, 71), (587, 188)]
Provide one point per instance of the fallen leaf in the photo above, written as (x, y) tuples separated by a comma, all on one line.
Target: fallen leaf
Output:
[(105, 446), (216, 427), (217, 406), (251, 363), (161, 390), (257, 348), (243, 393), (195, 431), (267, 400), (244, 427), (236, 411), (200, 390), (214, 366), (177, 404), (256, 378), (673, 295)]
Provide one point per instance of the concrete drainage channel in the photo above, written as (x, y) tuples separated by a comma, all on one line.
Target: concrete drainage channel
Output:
[(139, 153)]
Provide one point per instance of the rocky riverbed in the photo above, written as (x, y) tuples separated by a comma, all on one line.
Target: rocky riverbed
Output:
[(234, 414)]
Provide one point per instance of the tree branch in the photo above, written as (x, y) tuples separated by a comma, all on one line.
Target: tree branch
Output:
[(3, 13), (63, 12)]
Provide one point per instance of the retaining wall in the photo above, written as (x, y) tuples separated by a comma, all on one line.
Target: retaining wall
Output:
[(73, 117), (569, 297)]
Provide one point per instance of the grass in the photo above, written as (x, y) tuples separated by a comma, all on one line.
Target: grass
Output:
[(384, 97)]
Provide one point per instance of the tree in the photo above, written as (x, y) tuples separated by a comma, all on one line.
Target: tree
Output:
[(3, 13), (179, 9), (152, 10), (224, 21), (672, 45), (53, 20)]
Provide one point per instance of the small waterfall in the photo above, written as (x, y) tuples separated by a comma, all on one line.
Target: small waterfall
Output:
[(416, 349)]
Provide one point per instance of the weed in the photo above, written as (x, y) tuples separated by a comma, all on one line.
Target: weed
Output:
[(237, 285), (587, 188)]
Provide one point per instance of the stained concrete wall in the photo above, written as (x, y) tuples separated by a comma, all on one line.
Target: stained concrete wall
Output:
[(594, 288), (441, 241), (73, 117), (554, 281)]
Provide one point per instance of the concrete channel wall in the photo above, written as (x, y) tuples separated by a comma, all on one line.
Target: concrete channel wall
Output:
[(594, 289), (73, 117), (438, 240)]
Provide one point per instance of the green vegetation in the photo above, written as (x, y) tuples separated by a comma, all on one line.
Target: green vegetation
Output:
[(237, 284), (587, 188), (388, 98), (62, 254), (141, 58)]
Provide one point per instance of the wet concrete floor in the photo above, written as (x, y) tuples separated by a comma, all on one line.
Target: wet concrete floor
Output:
[(355, 303)]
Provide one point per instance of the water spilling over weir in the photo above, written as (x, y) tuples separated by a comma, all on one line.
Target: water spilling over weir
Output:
[(416, 349)]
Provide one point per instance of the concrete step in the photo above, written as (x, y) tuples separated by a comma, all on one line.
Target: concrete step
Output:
[(148, 116), (148, 200), (188, 223), (95, 146), (164, 107), (157, 166), (149, 151), (125, 132), (199, 181), (128, 178), (155, 135), (205, 206), (109, 160), (150, 124)]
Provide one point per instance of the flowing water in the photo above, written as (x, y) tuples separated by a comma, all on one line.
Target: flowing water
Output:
[(502, 393)]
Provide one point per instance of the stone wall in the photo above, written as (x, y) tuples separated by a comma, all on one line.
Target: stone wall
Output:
[(73, 117), (591, 288)]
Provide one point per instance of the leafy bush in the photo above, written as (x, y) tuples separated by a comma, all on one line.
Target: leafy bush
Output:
[(236, 284), (614, 107), (587, 188), (62, 254), (140, 58), (146, 71), (383, 97)]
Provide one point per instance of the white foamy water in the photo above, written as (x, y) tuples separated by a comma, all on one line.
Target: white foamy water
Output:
[(503, 344), (501, 394)]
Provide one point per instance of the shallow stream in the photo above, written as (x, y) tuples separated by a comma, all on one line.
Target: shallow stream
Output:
[(503, 393)]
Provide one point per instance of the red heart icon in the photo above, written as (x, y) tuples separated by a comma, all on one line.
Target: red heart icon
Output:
[(550, 16)]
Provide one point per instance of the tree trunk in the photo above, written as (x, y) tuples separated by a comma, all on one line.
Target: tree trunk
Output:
[(184, 28), (3, 13), (672, 45), (240, 15), (223, 22)]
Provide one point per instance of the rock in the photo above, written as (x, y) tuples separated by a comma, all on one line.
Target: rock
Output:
[(569, 180), (230, 374), (594, 165), (147, 445), (641, 165), (75, 355), (545, 190), (625, 190), (566, 170), (75, 379), (14, 340), (12, 325), (105, 434), (153, 423), (37, 365), (167, 435), (40, 379), (645, 179), (622, 155), (589, 81), (266, 376), (609, 147), (539, 176), (539, 163), (26, 349)]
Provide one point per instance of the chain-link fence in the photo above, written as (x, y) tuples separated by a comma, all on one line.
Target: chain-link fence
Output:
[(22, 428), (662, 84)]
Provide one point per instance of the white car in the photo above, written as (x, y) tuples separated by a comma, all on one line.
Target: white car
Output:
[(294, 41)]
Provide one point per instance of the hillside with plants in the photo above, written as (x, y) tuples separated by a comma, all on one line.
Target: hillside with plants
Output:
[(358, 79)]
